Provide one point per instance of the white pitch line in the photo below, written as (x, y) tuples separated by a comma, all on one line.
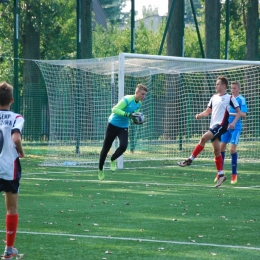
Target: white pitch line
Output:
[(140, 183), (138, 240), (119, 182), (73, 169)]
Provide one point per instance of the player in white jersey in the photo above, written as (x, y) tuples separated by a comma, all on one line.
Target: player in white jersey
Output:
[(11, 125), (218, 107)]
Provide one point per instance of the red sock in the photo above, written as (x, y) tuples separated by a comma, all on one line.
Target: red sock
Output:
[(219, 163), (198, 148), (11, 228)]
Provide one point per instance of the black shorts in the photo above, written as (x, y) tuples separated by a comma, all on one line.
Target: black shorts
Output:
[(217, 131), (10, 185)]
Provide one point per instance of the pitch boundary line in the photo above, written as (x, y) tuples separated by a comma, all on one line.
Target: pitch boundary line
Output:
[(137, 239)]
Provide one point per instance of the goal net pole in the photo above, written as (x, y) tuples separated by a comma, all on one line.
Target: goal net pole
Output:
[(113, 96), (121, 93)]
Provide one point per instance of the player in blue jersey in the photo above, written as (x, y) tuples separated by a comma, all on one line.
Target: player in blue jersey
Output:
[(118, 123), (232, 135), (11, 125)]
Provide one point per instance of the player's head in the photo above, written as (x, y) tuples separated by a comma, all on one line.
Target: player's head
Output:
[(235, 88), (221, 84), (6, 94), (140, 92)]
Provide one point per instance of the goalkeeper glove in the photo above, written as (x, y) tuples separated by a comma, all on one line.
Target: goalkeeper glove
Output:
[(134, 118)]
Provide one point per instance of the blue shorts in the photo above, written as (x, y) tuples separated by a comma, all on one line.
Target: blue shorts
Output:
[(217, 130), (231, 136), (10, 185)]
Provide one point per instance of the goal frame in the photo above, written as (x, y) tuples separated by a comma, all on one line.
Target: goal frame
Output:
[(175, 84), (123, 55)]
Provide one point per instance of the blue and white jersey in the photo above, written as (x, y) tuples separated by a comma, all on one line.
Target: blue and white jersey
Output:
[(9, 160), (243, 108)]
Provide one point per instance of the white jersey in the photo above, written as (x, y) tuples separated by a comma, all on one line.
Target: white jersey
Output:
[(9, 160), (220, 106)]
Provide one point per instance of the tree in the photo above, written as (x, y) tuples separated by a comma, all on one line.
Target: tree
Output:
[(212, 29), (149, 11), (31, 74), (176, 29), (41, 37), (236, 48), (118, 40), (113, 9), (252, 30), (243, 29), (188, 10), (6, 46), (86, 33), (191, 42), (174, 48)]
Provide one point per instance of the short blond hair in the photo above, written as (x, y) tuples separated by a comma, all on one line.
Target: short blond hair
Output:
[(236, 83), (141, 87)]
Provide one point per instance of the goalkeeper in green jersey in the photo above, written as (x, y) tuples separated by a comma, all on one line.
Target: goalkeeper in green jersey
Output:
[(118, 123)]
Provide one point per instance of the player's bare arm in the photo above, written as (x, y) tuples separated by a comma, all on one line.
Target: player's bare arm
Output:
[(16, 136), (238, 115), (205, 113), (243, 114)]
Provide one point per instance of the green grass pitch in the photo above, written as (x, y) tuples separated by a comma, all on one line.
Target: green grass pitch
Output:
[(155, 211)]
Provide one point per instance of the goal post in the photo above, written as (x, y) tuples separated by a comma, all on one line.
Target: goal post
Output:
[(82, 92), (121, 93)]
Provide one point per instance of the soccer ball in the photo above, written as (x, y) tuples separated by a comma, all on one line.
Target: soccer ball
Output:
[(138, 118)]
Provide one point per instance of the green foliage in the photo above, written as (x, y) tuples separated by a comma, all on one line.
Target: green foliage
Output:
[(110, 42), (59, 27), (237, 32), (148, 41), (56, 22), (114, 40), (237, 44), (188, 11), (6, 41), (191, 42)]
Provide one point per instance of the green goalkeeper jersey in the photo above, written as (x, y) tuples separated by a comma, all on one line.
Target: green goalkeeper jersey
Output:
[(122, 110)]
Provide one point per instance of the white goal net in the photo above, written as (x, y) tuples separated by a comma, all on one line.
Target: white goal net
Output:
[(81, 94)]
